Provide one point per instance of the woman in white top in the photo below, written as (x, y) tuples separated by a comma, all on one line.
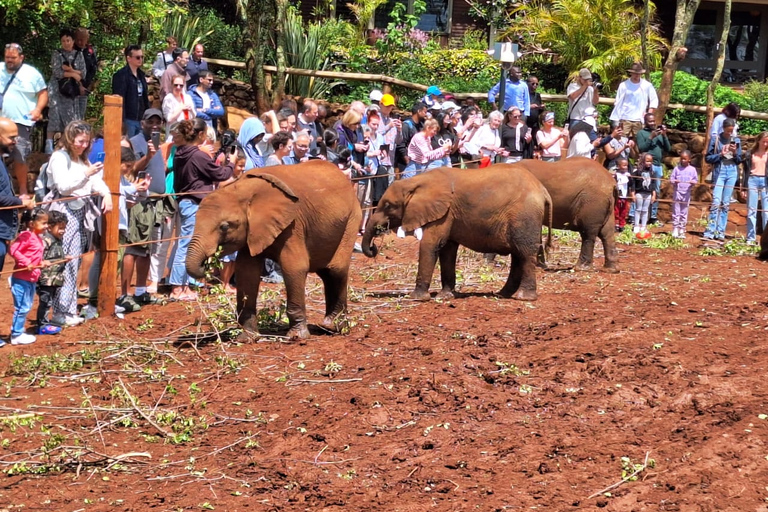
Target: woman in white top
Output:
[(550, 139), (73, 176), (164, 58), (177, 106), (488, 137)]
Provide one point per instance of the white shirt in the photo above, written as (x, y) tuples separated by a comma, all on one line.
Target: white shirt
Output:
[(170, 104), (633, 100), (580, 146), (556, 148), (577, 110), (71, 180), (485, 136), (21, 97)]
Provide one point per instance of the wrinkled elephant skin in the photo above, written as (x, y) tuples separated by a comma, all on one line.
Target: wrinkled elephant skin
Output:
[(303, 216)]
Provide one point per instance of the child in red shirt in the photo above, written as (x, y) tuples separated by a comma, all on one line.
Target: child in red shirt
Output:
[(27, 250)]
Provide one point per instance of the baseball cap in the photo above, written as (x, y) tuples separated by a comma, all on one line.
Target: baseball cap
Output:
[(433, 90), (585, 74), (375, 95), (151, 112), (387, 100)]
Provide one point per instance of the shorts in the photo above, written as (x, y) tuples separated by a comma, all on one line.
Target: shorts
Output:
[(141, 251), (23, 147)]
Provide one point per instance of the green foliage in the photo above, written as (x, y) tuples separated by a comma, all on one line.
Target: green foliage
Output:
[(401, 35), (305, 49), (223, 41), (185, 28), (364, 11), (602, 35), (689, 90), (474, 40)]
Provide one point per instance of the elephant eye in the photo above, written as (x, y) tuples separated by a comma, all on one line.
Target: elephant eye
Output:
[(224, 226)]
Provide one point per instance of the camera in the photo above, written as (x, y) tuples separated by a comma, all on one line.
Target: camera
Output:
[(596, 82), (141, 175)]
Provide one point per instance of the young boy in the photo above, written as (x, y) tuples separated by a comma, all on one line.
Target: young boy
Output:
[(51, 275), (621, 210), (683, 178)]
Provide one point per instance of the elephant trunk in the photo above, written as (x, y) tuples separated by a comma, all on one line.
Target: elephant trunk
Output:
[(196, 256), (371, 229)]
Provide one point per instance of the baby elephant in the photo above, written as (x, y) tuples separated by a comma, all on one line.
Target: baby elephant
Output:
[(492, 211)]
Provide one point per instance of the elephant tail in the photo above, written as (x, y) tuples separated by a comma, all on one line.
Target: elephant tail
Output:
[(549, 205)]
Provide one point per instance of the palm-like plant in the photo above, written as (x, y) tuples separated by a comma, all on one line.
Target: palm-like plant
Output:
[(602, 35), (185, 28)]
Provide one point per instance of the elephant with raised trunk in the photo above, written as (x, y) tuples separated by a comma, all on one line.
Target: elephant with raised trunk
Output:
[(584, 194), (303, 216), (499, 210)]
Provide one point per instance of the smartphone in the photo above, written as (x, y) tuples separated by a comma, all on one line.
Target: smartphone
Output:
[(233, 149), (100, 157), (733, 140), (141, 175), (156, 139), (384, 147)]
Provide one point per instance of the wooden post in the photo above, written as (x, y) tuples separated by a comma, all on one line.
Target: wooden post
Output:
[(113, 123)]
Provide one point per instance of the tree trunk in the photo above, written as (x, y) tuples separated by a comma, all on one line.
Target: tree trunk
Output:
[(721, 48), (260, 19), (644, 37), (686, 9), (279, 83)]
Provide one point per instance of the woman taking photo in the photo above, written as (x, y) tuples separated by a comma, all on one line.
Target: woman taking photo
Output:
[(177, 106), (445, 134), (754, 180), (420, 150), (72, 176), (724, 153), (282, 144), (195, 174), (65, 87), (515, 136), (551, 140)]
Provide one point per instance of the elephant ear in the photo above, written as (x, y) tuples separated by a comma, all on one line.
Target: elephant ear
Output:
[(271, 209), (428, 201)]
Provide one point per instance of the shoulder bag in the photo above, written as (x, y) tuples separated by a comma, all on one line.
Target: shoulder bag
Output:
[(68, 86)]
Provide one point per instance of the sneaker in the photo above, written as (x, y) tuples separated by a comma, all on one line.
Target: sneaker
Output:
[(617, 229), (681, 235), (49, 329), (636, 229), (126, 302), (67, 320), (23, 339), (358, 247), (89, 312), (144, 299), (675, 233), (2, 343)]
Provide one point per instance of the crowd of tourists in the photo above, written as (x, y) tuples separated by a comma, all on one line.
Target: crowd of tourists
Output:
[(174, 155)]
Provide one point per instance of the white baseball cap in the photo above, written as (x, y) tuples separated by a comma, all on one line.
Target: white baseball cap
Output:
[(375, 95)]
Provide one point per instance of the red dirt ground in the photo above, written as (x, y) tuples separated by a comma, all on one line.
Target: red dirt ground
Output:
[(479, 403)]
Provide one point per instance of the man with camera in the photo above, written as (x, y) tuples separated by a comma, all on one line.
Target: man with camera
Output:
[(653, 139), (583, 93), (635, 97)]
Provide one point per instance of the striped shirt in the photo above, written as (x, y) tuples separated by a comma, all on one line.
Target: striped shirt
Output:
[(420, 150)]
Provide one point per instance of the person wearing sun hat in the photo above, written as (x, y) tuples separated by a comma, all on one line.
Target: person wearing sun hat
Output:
[(635, 97), (375, 97), (582, 94)]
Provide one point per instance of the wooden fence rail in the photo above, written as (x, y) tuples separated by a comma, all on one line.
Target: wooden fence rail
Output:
[(368, 77)]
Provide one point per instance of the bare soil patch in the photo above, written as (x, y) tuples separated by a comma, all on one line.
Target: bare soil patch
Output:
[(477, 403)]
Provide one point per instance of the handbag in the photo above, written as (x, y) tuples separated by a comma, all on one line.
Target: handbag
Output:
[(68, 87), (5, 90)]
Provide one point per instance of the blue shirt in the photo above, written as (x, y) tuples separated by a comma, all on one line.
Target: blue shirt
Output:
[(21, 97), (515, 95)]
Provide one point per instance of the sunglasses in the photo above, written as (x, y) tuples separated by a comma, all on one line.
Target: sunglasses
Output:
[(14, 46), (515, 117), (138, 57), (178, 86)]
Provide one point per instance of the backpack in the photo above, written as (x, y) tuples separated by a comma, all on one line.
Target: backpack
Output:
[(42, 187)]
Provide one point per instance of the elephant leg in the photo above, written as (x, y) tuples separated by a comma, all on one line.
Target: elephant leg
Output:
[(448, 270), (427, 260), (248, 275), (295, 289), (335, 284), (521, 283), (587, 250), (607, 235)]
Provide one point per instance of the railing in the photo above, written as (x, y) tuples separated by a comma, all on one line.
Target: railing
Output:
[(368, 77)]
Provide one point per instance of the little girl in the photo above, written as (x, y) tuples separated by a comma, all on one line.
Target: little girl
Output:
[(683, 178), (27, 250), (621, 209), (643, 193)]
